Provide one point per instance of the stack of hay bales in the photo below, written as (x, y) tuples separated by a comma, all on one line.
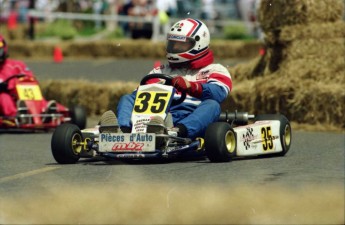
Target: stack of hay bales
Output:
[(84, 93), (302, 73)]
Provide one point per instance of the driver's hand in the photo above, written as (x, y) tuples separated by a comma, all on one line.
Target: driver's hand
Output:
[(192, 88), (181, 84)]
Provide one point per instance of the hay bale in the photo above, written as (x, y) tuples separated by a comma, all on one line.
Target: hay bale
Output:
[(244, 71), (305, 101), (315, 70), (325, 30), (275, 14), (84, 93), (235, 49), (302, 73)]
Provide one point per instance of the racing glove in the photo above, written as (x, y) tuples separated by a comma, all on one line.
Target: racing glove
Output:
[(3, 86), (192, 88)]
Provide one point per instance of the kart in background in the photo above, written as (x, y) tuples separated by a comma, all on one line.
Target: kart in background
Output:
[(27, 90), (235, 135)]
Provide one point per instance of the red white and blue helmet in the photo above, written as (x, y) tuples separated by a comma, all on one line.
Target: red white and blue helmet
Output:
[(187, 40), (3, 49)]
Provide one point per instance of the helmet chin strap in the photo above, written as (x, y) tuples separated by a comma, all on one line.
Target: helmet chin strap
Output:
[(198, 63)]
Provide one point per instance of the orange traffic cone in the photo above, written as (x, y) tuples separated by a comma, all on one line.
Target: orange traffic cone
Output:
[(58, 56)]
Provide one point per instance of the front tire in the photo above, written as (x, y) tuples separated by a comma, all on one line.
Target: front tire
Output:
[(284, 130), (65, 143), (220, 142)]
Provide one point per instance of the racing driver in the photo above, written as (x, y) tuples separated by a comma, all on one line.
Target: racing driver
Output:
[(190, 63), (9, 104)]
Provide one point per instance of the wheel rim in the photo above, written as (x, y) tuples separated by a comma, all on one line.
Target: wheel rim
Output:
[(230, 141), (287, 135), (76, 140)]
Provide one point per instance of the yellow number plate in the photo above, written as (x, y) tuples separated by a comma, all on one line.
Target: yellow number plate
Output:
[(267, 138), (29, 92), (151, 102)]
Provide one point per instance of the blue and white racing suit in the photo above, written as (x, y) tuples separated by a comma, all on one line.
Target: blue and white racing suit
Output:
[(194, 113)]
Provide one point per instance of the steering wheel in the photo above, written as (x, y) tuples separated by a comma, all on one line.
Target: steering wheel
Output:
[(168, 81), (4, 84), (14, 76)]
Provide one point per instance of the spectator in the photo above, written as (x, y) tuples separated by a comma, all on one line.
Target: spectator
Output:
[(124, 11), (144, 9), (167, 6), (166, 9), (97, 7), (208, 11), (248, 15)]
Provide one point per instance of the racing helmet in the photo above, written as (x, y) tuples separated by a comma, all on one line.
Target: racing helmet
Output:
[(187, 40), (3, 49)]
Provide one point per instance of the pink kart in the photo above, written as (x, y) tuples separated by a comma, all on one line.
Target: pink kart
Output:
[(35, 113)]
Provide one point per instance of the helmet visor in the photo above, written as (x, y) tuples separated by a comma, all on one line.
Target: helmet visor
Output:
[(174, 46)]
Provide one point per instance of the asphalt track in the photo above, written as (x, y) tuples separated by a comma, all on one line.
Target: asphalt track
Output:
[(100, 70), (304, 187)]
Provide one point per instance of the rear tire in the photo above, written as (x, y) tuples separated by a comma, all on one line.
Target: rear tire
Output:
[(64, 145), (284, 130), (78, 116), (220, 142)]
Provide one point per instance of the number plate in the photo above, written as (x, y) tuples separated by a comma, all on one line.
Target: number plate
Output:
[(151, 102), (259, 138), (29, 92), (135, 142)]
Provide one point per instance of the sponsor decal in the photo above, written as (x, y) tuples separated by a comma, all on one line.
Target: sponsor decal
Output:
[(248, 137), (130, 156), (134, 142), (112, 138), (202, 75), (141, 137), (137, 143), (175, 37), (173, 59), (178, 25), (131, 146), (140, 125)]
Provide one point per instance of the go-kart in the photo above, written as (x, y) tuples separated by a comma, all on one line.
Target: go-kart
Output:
[(236, 134), (36, 115)]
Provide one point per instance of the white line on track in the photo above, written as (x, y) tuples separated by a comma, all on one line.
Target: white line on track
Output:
[(27, 174)]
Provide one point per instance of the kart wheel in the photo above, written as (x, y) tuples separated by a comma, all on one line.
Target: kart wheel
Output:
[(220, 142), (78, 116), (285, 130), (65, 143)]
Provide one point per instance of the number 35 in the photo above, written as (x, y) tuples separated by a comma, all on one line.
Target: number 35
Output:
[(157, 105), (267, 140)]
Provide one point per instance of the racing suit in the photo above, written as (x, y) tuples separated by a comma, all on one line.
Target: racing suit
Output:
[(194, 113), (8, 100)]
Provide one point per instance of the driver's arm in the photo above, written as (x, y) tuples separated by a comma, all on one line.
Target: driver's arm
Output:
[(218, 85), (22, 68)]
